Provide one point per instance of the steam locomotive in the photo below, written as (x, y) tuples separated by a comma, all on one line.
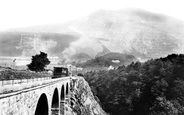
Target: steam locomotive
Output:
[(60, 72)]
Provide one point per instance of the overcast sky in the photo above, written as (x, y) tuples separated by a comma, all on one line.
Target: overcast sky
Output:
[(21, 13)]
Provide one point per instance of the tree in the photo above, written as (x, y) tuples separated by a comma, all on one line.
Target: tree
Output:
[(39, 62)]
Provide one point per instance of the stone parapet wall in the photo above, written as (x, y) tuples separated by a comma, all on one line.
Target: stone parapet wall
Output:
[(22, 99)]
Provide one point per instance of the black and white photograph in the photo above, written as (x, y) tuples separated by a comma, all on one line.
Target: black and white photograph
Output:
[(91, 57)]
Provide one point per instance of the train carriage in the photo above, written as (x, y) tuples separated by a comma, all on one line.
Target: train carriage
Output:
[(60, 72)]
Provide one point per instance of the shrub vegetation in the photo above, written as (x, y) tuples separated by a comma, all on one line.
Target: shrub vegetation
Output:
[(155, 87)]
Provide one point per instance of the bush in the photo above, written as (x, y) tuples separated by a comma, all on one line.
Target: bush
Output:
[(39, 62)]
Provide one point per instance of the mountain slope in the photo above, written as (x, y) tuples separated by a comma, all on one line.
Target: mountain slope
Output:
[(133, 31), (9, 41), (109, 59), (80, 57)]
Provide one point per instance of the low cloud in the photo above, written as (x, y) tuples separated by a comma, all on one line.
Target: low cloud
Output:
[(140, 33), (33, 45), (86, 45)]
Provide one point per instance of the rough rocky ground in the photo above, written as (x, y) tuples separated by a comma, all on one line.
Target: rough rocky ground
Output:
[(82, 100)]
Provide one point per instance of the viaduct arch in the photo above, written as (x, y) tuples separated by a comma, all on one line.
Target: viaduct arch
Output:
[(39, 98), (62, 100), (42, 106), (55, 103)]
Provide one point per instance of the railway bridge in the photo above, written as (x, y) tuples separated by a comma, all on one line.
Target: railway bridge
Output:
[(35, 97)]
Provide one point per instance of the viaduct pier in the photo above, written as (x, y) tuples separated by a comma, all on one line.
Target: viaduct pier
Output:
[(35, 97)]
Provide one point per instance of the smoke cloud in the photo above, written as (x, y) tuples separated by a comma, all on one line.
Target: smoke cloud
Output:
[(86, 45)]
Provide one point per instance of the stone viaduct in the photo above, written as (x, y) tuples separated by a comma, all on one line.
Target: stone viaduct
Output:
[(45, 97)]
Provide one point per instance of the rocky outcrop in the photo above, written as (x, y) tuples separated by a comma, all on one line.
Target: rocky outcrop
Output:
[(82, 99), (104, 51)]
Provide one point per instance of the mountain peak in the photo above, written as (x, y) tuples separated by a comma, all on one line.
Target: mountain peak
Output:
[(104, 51)]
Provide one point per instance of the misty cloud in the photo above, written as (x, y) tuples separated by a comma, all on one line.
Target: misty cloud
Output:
[(83, 45), (131, 31), (33, 44), (51, 43), (136, 32)]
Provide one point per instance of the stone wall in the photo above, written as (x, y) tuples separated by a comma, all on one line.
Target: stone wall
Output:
[(19, 104), (24, 101)]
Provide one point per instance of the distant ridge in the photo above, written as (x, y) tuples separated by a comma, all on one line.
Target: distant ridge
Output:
[(104, 51), (80, 57), (107, 60)]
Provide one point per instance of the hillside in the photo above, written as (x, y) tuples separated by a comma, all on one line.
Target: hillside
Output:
[(80, 57), (136, 32), (7, 73), (107, 60), (155, 87), (133, 31), (9, 42)]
